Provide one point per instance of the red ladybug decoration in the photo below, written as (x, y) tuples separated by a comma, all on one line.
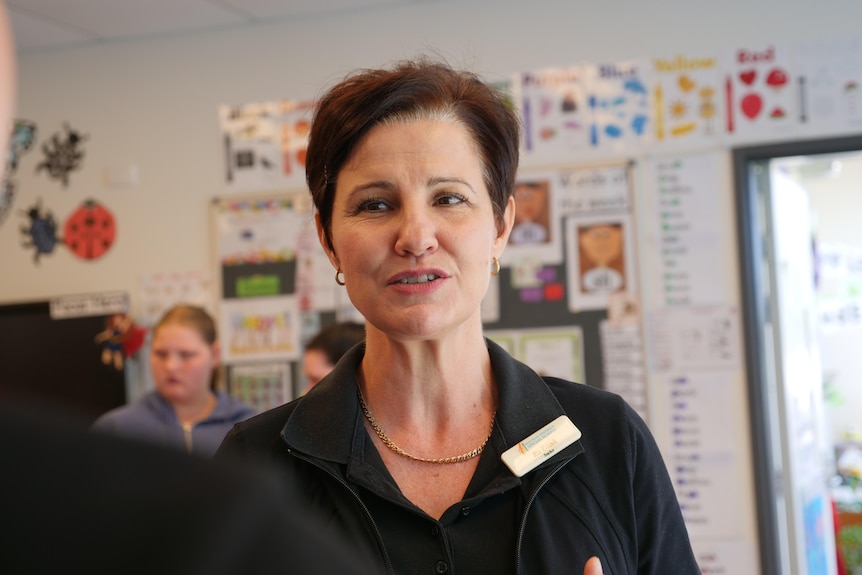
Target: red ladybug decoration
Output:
[(90, 230)]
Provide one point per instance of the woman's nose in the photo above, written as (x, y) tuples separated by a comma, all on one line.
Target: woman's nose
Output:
[(417, 232)]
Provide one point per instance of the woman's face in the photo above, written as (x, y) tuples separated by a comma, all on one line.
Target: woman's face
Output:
[(182, 363), (413, 228)]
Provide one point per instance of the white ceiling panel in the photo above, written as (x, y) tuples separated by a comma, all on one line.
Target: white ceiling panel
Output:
[(40, 25), (280, 8), (34, 33), (123, 18)]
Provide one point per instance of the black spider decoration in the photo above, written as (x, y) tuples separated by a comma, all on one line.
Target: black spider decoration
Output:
[(62, 155)]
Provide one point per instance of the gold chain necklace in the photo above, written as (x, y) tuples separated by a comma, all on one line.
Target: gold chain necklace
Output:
[(389, 443)]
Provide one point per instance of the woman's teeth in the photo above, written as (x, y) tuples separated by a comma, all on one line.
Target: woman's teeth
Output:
[(425, 278)]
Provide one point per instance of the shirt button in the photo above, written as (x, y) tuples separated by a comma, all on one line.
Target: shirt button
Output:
[(434, 531), (465, 511), (442, 567)]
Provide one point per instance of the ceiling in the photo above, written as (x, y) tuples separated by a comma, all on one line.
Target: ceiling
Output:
[(44, 25)]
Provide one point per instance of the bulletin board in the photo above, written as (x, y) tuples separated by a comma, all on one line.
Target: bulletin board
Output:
[(566, 300), (276, 290), (54, 361)]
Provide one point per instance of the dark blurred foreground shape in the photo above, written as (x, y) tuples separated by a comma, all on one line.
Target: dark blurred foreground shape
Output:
[(73, 501)]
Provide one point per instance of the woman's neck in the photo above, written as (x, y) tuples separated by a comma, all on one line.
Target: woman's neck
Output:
[(424, 378)]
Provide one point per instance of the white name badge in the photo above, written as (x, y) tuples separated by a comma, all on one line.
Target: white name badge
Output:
[(541, 446)]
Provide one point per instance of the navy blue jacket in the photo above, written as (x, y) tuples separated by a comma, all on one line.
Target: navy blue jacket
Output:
[(152, 419), (608, 494)]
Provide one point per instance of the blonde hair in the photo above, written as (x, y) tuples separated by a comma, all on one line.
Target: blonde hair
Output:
[(196, 318)]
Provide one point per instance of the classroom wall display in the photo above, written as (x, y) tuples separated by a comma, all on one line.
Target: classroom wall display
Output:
[(275, 288), (261, 385), (564, 303), (830, 84), (761, 100), (582, 109), (160, 291), (88, 232), (256, 241), (264, 144), (687, 100), (23, 138), (622, 245), (62, 154)]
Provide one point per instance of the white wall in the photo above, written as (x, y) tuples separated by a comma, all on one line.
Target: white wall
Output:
[(152, 104)]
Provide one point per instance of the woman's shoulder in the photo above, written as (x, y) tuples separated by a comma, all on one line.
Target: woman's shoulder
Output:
[(142, 411), (599, 410), (268, 422), (233, 408)]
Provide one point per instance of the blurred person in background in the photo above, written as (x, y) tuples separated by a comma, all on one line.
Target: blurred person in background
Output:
[(324, 350), (184, 409)]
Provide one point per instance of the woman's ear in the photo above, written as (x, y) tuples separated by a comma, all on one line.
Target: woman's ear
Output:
[(216, 351), (321, 237), (506, 228)]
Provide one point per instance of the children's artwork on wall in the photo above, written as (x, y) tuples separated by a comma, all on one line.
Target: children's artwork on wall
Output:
[(90, 231), (535, 233), (829, 78), (553, 107), (162, 290), (22, 139), (554, 352), (618, 105), (62, 154), (687, 100), (760, 99), (265, 144), (600, 250), (261, 385), (40, 231), (260, 328)]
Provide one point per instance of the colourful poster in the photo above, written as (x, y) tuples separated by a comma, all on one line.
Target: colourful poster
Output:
[(261, 385), (687, 102), (258, 230), (260, 328), (759, 96), (618, 106), (264, 144), (553, 106)]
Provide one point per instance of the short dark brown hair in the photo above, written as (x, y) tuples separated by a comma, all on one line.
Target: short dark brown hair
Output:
[(410, 90)]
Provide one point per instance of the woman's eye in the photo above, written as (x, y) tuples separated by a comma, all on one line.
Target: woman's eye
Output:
[(372, 205), (450, 199)]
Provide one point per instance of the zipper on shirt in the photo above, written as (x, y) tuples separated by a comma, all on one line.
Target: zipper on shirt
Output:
[(527, 511), (339, 479), (187, 432)]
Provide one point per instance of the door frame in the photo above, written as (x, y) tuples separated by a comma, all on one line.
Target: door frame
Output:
[(754, 314)]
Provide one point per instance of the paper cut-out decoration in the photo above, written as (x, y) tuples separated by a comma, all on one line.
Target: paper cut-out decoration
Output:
[(23, 136), (90, 231), (40, 233), (62, 155)]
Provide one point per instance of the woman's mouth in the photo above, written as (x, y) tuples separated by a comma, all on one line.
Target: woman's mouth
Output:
[(424, 278)]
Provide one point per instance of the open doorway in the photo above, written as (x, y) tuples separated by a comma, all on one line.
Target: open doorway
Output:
[(793, 201)]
